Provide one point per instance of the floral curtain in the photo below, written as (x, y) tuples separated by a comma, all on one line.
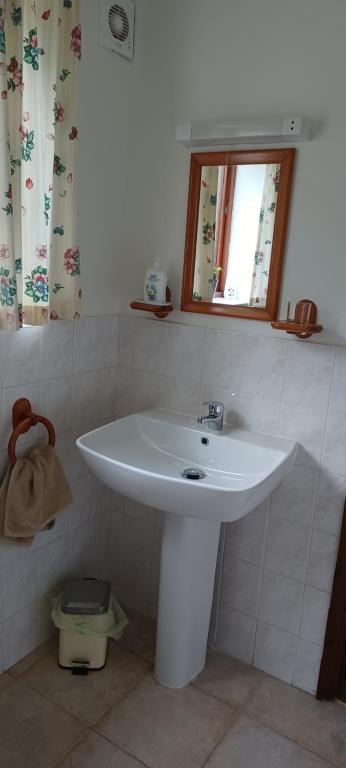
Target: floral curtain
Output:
[(40, 49), (203, 285), (259, 285)]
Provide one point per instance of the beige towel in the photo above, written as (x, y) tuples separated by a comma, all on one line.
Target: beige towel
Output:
[(31, 495)]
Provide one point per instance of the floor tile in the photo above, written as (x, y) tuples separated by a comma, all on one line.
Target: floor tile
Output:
[(88, 697), (167, 728), (34, 732), (318, 725), (252, 744), (96, 752), (5, 680), (228, 679), (140, 634), (24, 664)]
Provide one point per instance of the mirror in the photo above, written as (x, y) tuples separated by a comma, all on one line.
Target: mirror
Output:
[(236, 225)]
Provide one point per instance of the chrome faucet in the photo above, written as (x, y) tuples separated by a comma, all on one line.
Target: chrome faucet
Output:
[(214, 420)]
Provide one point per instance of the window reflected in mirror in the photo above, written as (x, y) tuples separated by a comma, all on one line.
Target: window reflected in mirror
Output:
[(235, 231)]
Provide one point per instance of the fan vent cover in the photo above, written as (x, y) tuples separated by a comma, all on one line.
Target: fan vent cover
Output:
[(117, 26), (118, 23)]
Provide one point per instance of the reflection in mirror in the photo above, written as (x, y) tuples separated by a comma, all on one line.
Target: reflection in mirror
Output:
[(235, 232), (236, 219)]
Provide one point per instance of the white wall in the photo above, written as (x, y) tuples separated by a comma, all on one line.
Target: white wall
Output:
[(197, 60), (105, 89)]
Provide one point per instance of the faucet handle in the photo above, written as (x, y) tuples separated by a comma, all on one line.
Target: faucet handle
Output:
[(215, 407)]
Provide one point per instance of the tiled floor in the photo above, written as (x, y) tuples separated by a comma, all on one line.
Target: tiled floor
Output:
[(232, 716)]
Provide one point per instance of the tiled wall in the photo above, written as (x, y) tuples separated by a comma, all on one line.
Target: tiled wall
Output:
[(68, 371), (276, 566)]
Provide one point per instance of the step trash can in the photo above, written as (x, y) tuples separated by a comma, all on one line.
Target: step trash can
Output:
[(86, 614)]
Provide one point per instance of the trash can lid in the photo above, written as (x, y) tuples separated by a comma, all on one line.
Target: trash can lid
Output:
[(88, 596)]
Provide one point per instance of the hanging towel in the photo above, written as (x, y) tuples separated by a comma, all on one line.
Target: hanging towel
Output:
[(33, 492)]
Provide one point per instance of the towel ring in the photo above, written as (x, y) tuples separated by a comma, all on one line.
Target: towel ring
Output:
[(22, 419)]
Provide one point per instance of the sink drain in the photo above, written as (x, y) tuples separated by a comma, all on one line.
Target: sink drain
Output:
[(193, 474)]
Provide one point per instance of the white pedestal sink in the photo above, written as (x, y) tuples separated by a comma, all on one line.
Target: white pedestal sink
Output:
[(143, 456)]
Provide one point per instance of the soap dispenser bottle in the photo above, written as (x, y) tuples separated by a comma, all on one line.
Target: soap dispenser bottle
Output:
[(155, 284)]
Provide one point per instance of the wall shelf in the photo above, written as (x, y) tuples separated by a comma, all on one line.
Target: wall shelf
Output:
[(303, 325), (302, 330), (159, 310)]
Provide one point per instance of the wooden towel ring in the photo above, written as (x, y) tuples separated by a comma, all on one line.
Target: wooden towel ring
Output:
[(22, 419)]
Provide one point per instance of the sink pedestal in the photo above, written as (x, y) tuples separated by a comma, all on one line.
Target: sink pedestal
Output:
[(188, 562)]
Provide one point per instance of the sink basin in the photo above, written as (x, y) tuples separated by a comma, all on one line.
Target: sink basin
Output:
[(144, 456)]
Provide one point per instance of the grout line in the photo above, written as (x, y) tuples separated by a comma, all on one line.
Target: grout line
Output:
[(78, 717), (235, 717), (274, 626), (202, 383), (237, 710), (316, 496), (132, 343), (25, 682), (297, 742), (305, 585), (204, 693), (223, 534), (48, 650), (261, 678), (139, 655), (121, 748), (69, 750), (166, 349), (262, 569), (258, 673), (67, 375), (266, 527), (129, 689), (277, 573), (284, 368)]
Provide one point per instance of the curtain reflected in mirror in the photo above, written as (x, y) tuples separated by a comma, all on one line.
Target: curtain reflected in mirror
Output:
[(235, 230)]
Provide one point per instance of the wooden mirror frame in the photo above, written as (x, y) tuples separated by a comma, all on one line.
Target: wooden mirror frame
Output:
[(241, 157)]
